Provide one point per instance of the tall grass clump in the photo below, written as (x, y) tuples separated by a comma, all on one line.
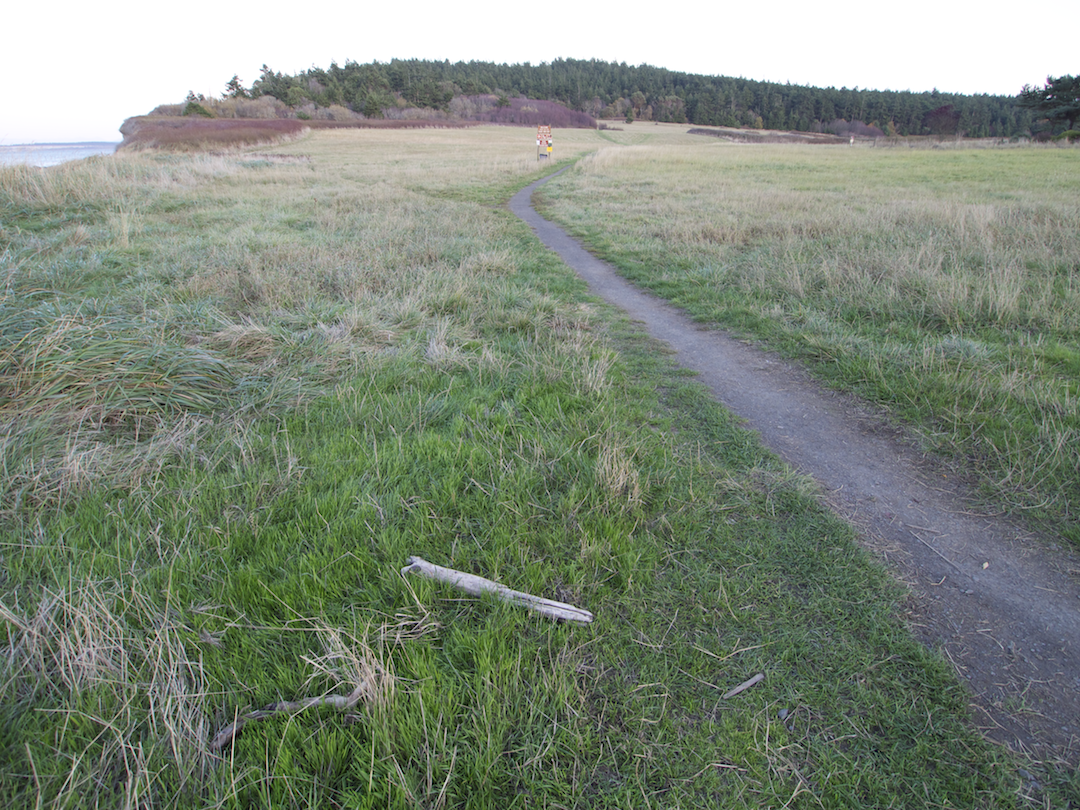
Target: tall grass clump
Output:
[(943, 284), (232, 428), (50, 361), (116, 670)]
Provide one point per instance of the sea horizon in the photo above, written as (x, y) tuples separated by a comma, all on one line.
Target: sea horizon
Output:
[(52, 154)]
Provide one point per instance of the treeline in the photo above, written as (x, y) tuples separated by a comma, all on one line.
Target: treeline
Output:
[(611, 90)]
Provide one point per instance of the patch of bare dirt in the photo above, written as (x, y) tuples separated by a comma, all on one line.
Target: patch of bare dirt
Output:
[(1002, 604)]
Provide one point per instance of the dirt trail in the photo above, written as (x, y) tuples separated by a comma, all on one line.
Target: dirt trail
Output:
[(1003, 605)]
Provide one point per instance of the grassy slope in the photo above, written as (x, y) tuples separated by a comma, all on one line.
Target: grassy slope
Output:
[(400, 370), (941, 283)]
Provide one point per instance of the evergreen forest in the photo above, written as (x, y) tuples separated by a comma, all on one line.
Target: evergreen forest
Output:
[(607, 90)]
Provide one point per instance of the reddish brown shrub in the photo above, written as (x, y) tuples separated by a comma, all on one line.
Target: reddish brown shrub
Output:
[(386, 123), (205, 133), (194, 134)]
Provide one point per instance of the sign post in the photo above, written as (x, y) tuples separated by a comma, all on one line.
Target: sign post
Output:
[(543, 142)]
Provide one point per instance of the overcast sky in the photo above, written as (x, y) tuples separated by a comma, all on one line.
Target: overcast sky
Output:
[(74, 71)]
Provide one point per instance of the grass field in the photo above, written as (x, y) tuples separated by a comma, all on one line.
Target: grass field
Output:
[(942, 283), (237, 392)]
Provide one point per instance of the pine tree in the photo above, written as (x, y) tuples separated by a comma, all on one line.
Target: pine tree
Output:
[(1058, 101), (234, 89)]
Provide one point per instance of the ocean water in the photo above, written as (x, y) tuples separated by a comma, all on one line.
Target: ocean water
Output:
[(51, 154)]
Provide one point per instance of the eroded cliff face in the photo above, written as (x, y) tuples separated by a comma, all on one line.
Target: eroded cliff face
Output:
[(129, 129)]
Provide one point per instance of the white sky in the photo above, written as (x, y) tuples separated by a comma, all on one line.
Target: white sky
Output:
[(74, 71)]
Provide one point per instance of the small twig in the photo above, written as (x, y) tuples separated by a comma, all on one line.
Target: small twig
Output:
[(946, 559), (474, 585), (227, 734), (733, 652), (742, 687)]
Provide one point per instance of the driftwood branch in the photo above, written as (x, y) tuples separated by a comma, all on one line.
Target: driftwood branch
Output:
[(227, 734), (742, 687), (474, 585)]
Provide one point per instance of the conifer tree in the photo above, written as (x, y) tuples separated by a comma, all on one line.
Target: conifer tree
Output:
[(1058, 101)]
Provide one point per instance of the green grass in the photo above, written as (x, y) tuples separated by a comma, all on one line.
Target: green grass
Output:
[(404, 371), (941, 283)]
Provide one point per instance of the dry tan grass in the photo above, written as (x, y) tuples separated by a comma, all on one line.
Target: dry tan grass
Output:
[(824, 224), (617, 472), (85, 640), (941, 281)]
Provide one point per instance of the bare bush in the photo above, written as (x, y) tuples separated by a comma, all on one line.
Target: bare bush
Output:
[(263, 108), (521, 111), (856, 128)]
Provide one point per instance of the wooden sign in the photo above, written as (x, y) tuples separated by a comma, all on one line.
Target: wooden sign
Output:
[(543, 141)]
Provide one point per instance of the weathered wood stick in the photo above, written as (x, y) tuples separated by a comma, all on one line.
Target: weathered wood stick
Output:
[(742, 687), (228, 734), (474, 585)]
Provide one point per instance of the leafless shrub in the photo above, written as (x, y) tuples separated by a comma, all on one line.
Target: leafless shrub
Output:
[(335, 112), (857, 128), (264, 108), (169, 110), (521, 111)]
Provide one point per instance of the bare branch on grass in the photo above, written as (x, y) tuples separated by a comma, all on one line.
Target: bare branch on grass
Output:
[(742, 687), (374, 685), (476, 586), (227, 734)]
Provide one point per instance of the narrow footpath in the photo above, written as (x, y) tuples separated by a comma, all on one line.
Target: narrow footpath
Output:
[(1002, 605)]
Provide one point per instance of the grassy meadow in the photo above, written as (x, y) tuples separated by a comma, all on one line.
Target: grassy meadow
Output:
[(238, 391), (943, 283)]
